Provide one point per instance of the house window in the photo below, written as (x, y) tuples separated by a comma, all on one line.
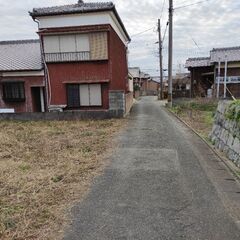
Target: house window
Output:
[(76, 47), (84, 95), (13, 91)]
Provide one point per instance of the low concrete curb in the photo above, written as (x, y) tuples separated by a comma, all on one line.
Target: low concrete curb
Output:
[(231, 167), (63, 116)]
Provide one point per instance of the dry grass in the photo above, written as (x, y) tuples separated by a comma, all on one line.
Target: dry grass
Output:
[(198, 113), (44, 168), (201, 121)]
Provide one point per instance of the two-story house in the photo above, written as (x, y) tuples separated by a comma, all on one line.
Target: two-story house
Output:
[(82, 55)]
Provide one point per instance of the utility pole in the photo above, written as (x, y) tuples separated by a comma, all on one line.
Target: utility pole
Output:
[(160, 58), (218, 77), (170, 53), (225, 79)]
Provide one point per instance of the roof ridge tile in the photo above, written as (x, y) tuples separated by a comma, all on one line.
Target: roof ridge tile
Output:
[(24, 41)]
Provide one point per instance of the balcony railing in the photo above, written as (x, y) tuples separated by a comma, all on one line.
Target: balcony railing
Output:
[(67, 57), (230, 79)]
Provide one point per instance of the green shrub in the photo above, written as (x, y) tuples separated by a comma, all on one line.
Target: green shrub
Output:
[(136, 88), (233, 111), (204, 106)]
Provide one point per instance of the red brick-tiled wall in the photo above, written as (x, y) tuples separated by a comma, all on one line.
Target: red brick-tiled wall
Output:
[(27, 105), (76, 72), (150, 86), (115, 70), (118, 63)]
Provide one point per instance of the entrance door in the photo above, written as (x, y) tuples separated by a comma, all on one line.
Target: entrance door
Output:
[(37, 99)]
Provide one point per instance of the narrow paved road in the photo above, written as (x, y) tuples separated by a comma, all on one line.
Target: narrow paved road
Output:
[(163, 182)]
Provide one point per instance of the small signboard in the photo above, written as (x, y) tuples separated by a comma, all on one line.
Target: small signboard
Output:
[(7, 110)]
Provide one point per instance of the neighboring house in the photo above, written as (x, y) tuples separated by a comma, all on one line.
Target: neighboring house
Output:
[(22, 85), (204, 72), (84, 54)]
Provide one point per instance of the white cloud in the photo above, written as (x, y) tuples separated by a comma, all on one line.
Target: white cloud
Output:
[(211, 24)]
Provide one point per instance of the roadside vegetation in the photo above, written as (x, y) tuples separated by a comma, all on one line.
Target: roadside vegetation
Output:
[(45, 167), (233, 112), (198, 113)]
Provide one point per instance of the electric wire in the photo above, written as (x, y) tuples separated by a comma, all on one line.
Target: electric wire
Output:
[(162, 9), (165, 31), (134, 35), (192, 4)]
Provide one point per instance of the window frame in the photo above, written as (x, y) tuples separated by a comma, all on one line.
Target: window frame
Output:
[(8, 92), (79, 105)]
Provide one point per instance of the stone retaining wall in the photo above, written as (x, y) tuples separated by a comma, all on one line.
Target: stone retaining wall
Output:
[(226, 133)]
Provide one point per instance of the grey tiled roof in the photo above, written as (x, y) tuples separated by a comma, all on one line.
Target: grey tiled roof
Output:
[(135, 72), (198, 62), (80, 7), (231, 54), (20, 55)]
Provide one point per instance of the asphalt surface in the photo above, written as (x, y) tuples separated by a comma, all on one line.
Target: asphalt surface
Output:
[(162, 182)]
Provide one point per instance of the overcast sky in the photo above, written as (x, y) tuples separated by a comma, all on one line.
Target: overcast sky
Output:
[(197, 28)]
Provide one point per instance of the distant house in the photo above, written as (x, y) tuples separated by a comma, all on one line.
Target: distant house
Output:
[(150, 87), (165, 81), (82, 64), (204, 72), (181, 85), (144, 82), (135, 72)]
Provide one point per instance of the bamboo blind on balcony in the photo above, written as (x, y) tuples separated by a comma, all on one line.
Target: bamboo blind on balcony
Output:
[(98, 46)]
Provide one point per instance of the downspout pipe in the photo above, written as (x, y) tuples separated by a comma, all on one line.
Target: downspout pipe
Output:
[(47, 77)]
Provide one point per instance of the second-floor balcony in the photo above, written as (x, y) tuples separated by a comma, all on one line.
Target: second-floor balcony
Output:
[(68, 56)]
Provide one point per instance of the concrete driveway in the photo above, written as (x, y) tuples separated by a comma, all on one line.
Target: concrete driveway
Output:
[(163, 182)]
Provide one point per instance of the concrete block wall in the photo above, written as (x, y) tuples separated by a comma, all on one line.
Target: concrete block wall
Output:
[(129, 102), (117, 100), (63, 116), (226, 133)]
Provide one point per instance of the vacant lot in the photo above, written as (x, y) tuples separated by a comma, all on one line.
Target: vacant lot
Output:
[(198, 113), (44, 168)]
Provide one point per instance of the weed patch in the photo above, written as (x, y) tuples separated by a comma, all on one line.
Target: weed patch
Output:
[(233, 111), (198, 113)]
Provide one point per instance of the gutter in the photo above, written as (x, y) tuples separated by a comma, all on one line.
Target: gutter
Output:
[(47, 77)]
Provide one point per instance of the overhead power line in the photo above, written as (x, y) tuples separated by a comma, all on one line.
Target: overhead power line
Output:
[(134, 35), (184, 1), (165, 31), (162, 9), (188, 5)]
